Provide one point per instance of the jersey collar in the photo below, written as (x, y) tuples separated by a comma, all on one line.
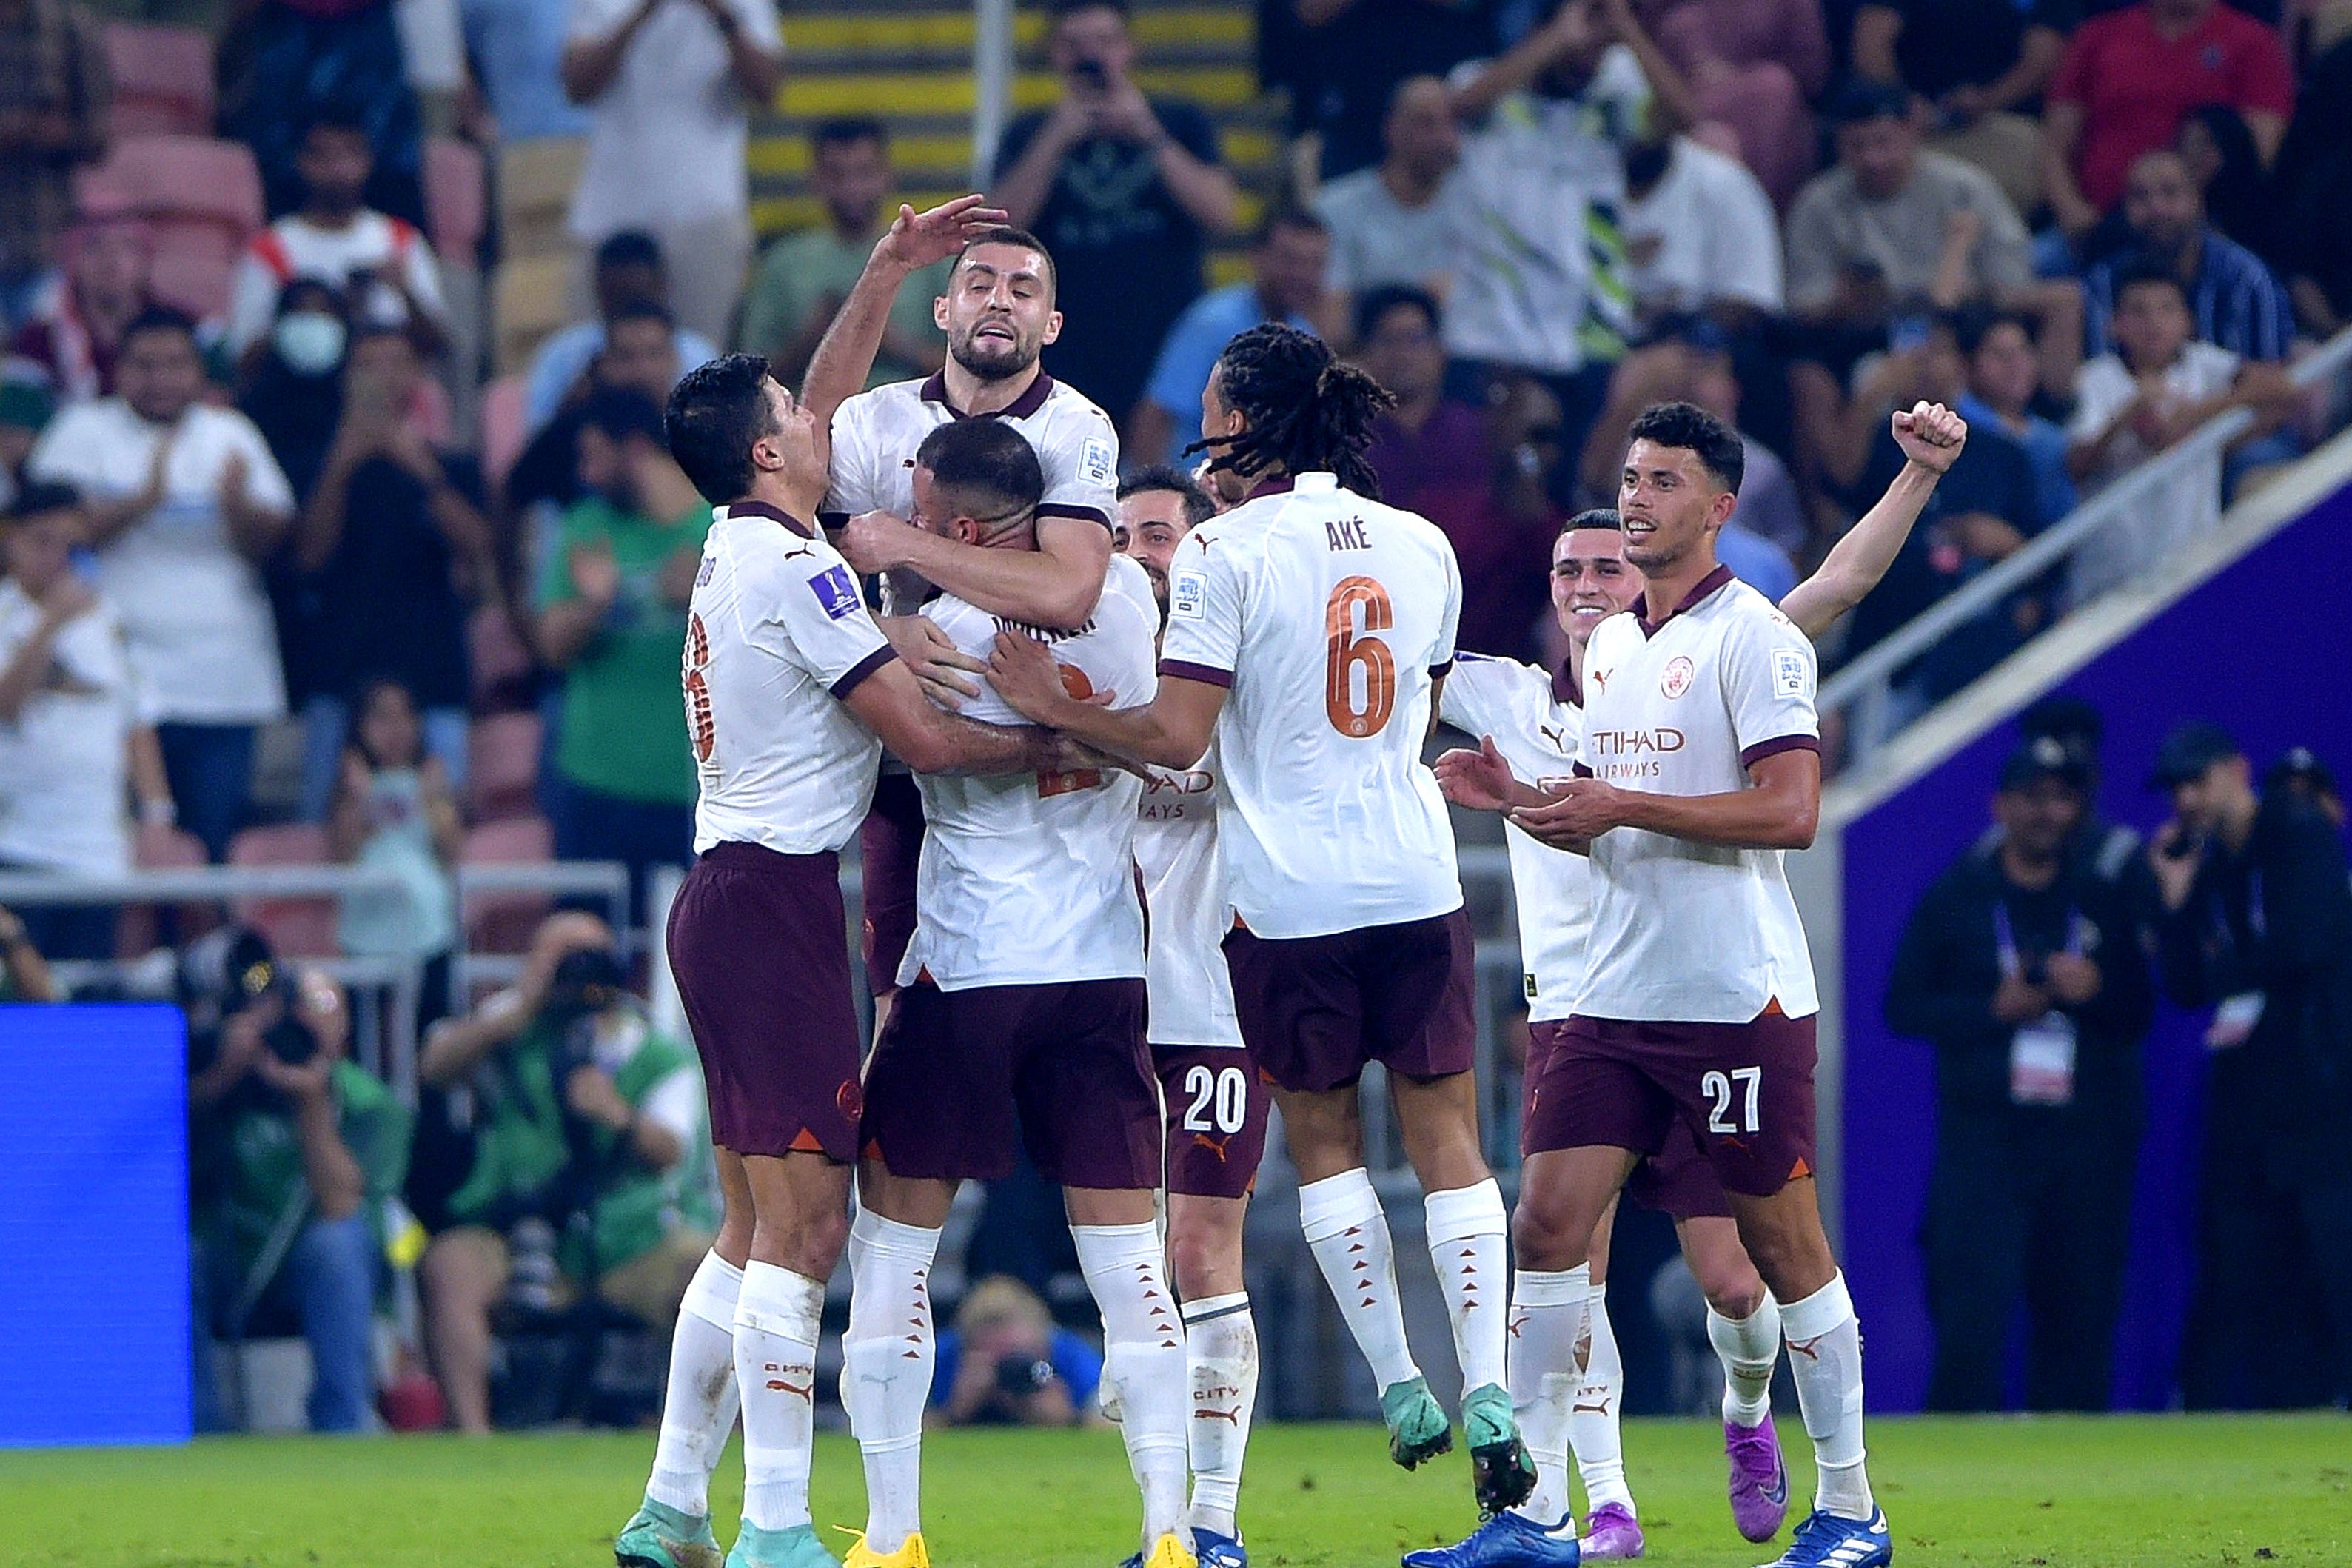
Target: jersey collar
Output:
[(934, 390), (1699, 591), (1309, 481), (761, 508)]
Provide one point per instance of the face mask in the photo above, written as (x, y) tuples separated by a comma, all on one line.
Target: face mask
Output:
[(310, 342)]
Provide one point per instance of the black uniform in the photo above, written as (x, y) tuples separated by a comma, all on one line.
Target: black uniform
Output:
[(2031, 1193), (2271, 1322)]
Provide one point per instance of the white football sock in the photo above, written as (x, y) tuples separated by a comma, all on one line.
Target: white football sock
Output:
[(1826, 1355), (1126, 1267), (1466, 1227), (1350, 1237), (699, 1408), (777, 1314), (1220, 1352), (1592, 1412), (886, 1357), (1548, 1310), (1749, 1348)]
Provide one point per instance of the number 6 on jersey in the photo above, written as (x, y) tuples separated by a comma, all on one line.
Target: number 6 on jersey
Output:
[(1350, 648)]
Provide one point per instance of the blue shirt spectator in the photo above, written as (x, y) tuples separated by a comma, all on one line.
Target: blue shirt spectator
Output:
[(1078, 1364), (631, 278), (565, 358), (2003, 374), (516, 49), (2045, 448), (1756, 561), (2238, 304)]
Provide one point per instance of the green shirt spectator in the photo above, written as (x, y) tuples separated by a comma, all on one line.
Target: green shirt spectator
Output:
[(248, 1159), (804, 277)]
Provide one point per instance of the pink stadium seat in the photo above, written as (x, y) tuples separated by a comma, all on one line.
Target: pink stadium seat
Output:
[(502, 768), (202, 198), (162, 80), (457, 198), (296, 928), (499, 660), (159, 849), (503, 922), (503, 432)]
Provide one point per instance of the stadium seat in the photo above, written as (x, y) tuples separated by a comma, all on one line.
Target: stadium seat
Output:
[(202, 197), (536, 179), (530, 302), (500, 660), (155, 847), (502, 767), (503, 922), (504, 402), (162, 80), (295, 928), (456, 200)]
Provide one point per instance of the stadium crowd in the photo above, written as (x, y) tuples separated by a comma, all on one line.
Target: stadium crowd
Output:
[(288, 578)]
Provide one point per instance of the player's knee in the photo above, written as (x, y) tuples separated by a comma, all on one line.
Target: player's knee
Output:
[(1206, 1260), (1550, 1234), (815, 1245)]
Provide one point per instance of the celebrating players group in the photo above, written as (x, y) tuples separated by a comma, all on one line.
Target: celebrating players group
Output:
[(1220, 688)]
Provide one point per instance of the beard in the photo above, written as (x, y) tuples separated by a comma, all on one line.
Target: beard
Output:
[(992, 359)]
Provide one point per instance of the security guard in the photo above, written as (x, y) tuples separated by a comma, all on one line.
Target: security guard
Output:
[(2022, 967)]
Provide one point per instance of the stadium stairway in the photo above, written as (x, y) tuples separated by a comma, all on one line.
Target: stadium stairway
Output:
[(909, 62)]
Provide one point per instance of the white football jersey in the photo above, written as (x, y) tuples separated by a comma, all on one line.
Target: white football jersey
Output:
[(1192, 995), (1029, 878), (1327, 617), (776, 636), (1537, 730), (875, 434), (1689, 932)]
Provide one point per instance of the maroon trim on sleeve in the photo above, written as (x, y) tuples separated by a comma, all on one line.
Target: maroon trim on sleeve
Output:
[(1763, 749), (1083, 513), (858, 672), (1206, 674)]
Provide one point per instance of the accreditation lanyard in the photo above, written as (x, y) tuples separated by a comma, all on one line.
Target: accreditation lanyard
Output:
[(2042, 1052)]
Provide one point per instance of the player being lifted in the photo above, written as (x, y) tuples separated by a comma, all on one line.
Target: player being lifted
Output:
[(1530, 723), (1215, 1103), (998, 314), (791, 693), (1020, 1023), (1309, 630), (1697, 1001)]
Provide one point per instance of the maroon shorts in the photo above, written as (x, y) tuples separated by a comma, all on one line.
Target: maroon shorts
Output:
[(889, 847), (1315, 1009), (1677, 1179), (1744, 1092), (1217, 1106), (958, 1077), (759, 947)]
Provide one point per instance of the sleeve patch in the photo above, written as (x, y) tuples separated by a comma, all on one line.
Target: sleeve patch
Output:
[(1188, 593), (1787, 672), (836, 593), (1097, 462)]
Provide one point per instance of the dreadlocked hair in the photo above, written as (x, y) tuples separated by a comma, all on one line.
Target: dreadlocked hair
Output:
[(1307, 411)]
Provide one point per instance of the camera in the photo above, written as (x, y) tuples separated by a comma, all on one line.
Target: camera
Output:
[(254, 975), (1090, 75), (1019, 1376)]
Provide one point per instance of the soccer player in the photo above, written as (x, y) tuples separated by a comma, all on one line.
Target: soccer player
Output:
[(1217, 1105), (1308, 630), (790, 693), (1703, 756), (1020, 1020), (1529, 724), (999, 316)]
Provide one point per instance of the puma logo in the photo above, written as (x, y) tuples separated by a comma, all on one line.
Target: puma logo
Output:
[(1213, 1145), (1599, 1409), (1809, 1349), (1204, 1413)]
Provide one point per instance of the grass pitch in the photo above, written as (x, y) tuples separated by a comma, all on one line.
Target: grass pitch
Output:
[(2075, 1493)]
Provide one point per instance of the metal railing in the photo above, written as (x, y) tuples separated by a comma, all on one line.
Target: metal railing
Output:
[(1863, 690)]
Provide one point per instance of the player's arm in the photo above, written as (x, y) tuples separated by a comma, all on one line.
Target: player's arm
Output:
[(1930, 436), (844, 357), (1780, 809), (1171, 731), (1056, 584), (889, 701)]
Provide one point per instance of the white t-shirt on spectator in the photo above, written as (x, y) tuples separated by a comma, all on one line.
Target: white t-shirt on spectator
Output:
[(1704, 233), (63, 763), (2172, 514), (1377, 239), (199, 627), (294, 247), (665, 140), (1538, 180)]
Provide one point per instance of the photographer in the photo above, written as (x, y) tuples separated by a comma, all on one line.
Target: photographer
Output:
[(2256, 924), (294, 1147), (1007, 1363), (591, 1154), (2022, 968)]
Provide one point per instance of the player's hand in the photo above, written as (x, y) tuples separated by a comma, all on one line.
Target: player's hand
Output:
[(2175, 873), (2019, 1003), (591, 1093), (1476, 781), (1068, 754), (875, 541), (918, 239), (1027, 676), (2072, 978), (1584, 810), (939, 665), (1930, 434)]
